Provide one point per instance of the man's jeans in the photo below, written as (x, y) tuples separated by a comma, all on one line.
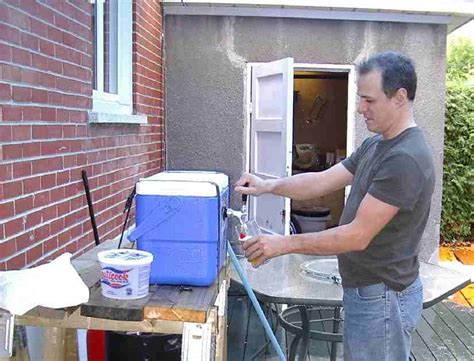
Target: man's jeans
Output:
[(378, 321)]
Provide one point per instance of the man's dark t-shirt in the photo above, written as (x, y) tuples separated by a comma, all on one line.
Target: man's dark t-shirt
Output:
[(400, 172)]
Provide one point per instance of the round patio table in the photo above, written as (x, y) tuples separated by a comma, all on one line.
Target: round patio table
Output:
[(282, 281)]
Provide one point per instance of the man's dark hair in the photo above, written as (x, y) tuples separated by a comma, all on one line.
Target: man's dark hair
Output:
[(397, 70)]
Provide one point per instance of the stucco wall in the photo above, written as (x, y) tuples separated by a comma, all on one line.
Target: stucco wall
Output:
[(206, 82)]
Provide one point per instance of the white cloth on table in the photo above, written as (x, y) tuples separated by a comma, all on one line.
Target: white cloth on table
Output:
[(53, 285)]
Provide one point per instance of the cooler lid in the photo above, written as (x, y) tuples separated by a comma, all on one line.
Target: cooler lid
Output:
[(183, 183)]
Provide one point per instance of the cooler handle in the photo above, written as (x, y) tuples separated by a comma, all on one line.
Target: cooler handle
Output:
[(161, 212)]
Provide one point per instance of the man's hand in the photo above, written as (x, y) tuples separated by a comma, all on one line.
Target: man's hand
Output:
[(302, 186), (260, 248), (256, 185)]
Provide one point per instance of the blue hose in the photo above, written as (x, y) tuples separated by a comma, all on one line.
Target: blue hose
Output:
[(255, 303)]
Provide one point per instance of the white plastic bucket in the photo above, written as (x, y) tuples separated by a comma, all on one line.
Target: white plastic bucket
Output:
[(125, 273)]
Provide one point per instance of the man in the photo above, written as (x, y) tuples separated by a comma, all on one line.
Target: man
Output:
[(378, 239)]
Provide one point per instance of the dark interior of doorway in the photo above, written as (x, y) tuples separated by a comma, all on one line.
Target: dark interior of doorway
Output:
[(319, 131)]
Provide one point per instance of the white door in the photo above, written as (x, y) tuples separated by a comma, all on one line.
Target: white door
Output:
[(271, 138)]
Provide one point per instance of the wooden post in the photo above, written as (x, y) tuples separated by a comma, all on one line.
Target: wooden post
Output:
[(221, 334), (54, 344), (71, 353)]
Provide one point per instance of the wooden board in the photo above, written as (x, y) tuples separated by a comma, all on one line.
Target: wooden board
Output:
[(468, 295), (165, 308), (99, 306), (459, 298), (433, 341), (419, 350), (45, 312), (75, 320), (446, 254), (172, 303), (189, 304), (445, 332), (457, 323), (465, 255)]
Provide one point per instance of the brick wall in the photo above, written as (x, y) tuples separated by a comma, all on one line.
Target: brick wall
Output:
[(45, 140)]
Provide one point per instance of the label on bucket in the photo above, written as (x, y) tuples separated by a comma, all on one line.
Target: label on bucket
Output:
[(125, 274)]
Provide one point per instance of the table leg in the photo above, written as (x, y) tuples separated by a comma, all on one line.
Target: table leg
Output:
[(264, 347), (335, 329), (304, 337), (273, 324), (306, 331), (294, 347)]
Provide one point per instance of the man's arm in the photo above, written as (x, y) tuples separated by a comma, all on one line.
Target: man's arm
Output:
[(370, 219), (302, 186)]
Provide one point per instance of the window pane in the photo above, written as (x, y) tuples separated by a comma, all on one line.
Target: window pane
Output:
[(110, 46)]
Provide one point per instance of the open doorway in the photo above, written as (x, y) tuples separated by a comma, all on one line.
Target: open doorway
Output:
[(320, 101), (300, 119)]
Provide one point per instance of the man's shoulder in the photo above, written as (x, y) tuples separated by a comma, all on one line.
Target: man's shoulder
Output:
[(371, 141), (413, 144), (413, 148)]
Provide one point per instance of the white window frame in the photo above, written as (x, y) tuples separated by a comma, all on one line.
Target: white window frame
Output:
[(109, 107)]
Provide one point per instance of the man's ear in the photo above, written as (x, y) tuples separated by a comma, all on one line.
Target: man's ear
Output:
[(401, 97)]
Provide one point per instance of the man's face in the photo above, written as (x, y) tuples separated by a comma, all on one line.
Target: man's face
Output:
[(378, 110)]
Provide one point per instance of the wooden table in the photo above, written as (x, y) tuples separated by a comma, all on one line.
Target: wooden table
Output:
[(198, 313)]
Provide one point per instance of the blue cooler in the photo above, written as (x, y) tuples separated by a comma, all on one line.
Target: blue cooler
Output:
[(180, 220)]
